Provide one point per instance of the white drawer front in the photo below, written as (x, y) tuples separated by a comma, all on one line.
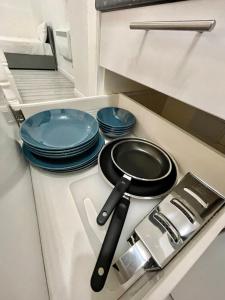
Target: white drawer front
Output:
[(189, 66)]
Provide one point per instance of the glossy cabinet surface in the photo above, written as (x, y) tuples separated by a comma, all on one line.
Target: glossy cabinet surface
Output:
[(205, 280), (22, 275)]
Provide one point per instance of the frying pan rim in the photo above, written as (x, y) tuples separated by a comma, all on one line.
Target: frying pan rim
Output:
[(148, 143), (128, 194)]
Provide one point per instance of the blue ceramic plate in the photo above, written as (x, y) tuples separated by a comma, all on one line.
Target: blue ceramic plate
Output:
[(61, 155), (92, 164), (64, 164), (115, 117), (65, 153), (59, 129), (94, 139)]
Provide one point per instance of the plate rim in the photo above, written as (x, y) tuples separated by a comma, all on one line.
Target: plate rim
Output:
[(50, 147), (101, 144)]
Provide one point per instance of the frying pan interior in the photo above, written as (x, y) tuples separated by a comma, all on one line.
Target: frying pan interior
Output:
[(137, 188), (141, 160)]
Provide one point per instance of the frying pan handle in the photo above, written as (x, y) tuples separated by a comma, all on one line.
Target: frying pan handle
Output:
[(115, 196), (109, 245)]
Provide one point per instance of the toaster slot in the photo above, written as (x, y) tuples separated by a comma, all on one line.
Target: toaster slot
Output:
[(184, 209), (165, 223)]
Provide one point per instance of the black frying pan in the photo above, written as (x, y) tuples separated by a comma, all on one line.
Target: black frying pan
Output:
[(138, 160), (109, 245), (137, 189)]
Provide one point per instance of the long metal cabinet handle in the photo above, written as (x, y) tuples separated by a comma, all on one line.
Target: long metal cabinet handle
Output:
[(189, 25)]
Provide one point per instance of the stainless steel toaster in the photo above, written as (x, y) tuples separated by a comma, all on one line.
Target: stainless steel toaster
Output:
[(168, 227)]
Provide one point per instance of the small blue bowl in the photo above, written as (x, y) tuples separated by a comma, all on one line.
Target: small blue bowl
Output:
[(115, 131), (116, 117), (115, 135), (101, 125)]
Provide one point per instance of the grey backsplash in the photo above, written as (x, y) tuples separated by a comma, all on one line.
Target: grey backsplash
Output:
[(202, 125)]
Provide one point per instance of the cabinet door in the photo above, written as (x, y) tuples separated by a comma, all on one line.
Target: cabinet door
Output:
[(205, 281), (22, 275), (189, 66)]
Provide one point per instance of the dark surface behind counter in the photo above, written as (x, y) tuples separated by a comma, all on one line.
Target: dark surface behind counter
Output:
[(107, 5)]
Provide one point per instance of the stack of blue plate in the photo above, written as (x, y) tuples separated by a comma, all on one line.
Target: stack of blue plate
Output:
[(61, 140), (115, 122)]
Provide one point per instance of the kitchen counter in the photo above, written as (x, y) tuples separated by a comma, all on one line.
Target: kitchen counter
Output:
[(69, 252)]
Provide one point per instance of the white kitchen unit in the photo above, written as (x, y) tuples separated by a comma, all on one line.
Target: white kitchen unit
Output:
[(206, 278), (22, 275), (67, 205), (186, 65)]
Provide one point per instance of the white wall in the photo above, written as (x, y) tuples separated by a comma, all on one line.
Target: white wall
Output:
[(17, 19), (36, 7), (55, 13), (84, 37)]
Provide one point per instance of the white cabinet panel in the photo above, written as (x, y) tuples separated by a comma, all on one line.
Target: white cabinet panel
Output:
[(189, 66), (22, 274), (205, 281)]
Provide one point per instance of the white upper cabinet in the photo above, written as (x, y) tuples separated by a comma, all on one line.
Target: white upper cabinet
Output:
[(186, 65)]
